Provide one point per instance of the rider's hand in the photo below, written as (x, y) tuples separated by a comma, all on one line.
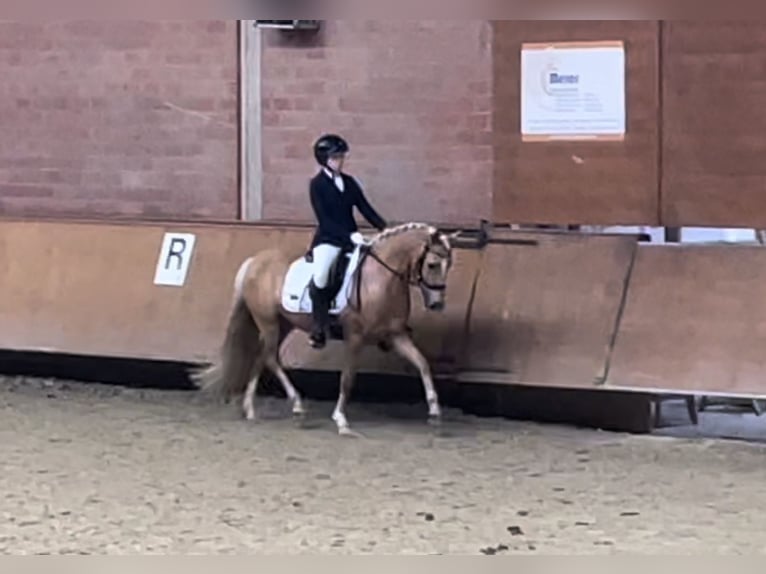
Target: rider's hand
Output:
[(357, 238)]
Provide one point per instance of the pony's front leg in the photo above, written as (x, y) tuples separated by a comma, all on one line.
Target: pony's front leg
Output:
[(347, 378), (406, 348)]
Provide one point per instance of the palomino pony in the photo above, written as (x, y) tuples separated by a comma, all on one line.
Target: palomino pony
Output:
[(373, 287)]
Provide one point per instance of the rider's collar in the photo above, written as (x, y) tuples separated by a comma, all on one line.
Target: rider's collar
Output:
[(337, 180)]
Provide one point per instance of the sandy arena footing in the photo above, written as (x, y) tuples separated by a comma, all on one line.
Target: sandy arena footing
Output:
[(106, 470)]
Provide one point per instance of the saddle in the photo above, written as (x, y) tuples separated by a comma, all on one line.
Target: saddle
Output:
[(296, 293), (338, 269)]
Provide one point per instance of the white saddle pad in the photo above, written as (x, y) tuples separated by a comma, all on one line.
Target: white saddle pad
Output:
[(295, 293)]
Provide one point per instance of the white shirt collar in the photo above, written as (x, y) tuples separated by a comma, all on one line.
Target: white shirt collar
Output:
[(337, 179)]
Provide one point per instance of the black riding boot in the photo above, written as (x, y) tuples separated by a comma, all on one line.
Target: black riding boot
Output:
[(320, 304)]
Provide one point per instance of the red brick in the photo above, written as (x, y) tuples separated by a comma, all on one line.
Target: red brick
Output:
[(193, 59), (218, 27), (88, 101), (24, 191), (479, 122), (413, 98), (280, 104), (303, 104), (112, 108)]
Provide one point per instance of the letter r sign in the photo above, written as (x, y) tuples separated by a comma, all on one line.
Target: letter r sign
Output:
[(175, 257)]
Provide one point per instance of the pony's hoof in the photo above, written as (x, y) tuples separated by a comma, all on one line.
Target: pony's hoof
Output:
[(435, 421), (346, 432), (299, 418)]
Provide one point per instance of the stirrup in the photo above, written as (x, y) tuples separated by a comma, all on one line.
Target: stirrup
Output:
[(318, 341)]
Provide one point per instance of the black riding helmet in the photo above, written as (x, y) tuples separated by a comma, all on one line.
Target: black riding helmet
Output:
[(329, 145)]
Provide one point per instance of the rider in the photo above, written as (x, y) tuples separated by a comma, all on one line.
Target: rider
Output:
[(334, 195)]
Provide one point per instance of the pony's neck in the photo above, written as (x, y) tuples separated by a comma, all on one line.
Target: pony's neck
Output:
[(401, 252)]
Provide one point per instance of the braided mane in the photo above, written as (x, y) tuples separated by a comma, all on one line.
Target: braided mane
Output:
[(400, 229)]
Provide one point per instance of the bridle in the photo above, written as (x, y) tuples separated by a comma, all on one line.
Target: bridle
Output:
[(419, 280)]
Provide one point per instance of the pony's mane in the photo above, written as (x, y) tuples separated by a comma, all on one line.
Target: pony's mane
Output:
[(400, 229)]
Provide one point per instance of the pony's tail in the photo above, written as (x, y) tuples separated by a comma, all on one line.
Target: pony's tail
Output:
[(230, 376)]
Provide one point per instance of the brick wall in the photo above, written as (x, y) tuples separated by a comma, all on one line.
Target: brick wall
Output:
[(139, 118), (120, 118), (413, 97)]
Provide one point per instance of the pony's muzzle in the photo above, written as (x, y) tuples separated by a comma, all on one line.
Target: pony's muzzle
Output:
[(433, 300), (437, 306)]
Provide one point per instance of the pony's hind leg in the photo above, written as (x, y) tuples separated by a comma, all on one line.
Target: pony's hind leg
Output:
[(287, 385), (248, 403), (274, 338)]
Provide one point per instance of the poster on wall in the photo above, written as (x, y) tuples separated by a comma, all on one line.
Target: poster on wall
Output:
[(573, 91)]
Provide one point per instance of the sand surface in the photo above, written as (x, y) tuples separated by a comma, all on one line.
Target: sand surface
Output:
[(94, 469)]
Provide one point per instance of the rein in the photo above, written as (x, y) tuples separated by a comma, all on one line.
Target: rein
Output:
[(390, 269), (419, 282)]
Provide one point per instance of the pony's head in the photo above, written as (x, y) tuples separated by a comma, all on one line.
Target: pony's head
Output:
[(432, 270), (430, 260)]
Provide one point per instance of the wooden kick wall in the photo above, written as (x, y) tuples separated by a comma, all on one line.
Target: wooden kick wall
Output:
[(577, 312)]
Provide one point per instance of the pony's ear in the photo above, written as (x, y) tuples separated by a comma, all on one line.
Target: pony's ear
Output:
[(440, 239), (435, 237)]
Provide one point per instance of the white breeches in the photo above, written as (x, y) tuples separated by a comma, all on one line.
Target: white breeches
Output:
[(324, 256)]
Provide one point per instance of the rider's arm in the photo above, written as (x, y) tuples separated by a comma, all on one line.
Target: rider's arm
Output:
[(372, 216)]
